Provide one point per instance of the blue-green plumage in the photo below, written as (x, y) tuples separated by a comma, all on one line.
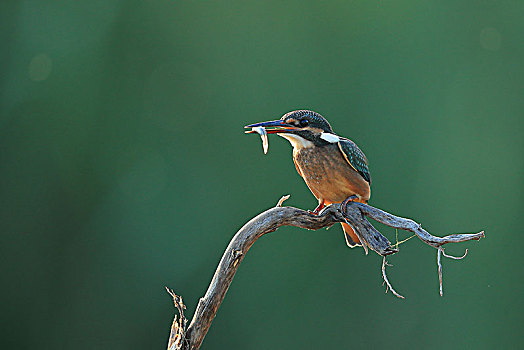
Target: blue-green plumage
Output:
[(355, 157)]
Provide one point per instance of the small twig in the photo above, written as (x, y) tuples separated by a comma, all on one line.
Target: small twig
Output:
[(455, 257), (403, 241), (439, 251), (282, 199), (388, 285)]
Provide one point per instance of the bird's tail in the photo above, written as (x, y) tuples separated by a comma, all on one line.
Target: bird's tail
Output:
[(351, 238)]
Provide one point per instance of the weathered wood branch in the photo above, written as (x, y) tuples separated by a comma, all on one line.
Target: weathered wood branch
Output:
[(410, 225), (272, 219)]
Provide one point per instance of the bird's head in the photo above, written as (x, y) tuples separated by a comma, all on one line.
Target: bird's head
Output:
[(303, 128)]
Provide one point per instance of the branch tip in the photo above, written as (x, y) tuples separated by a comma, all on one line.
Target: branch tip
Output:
[(282, 199), (178, 327)]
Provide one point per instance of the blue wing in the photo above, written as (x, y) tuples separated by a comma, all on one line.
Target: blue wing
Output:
[(355, 157)]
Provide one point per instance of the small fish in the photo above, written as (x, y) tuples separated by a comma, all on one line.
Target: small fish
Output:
[(263, 135)]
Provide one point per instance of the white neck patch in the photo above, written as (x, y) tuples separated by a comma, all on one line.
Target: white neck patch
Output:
[(296, 141), (331, 138)]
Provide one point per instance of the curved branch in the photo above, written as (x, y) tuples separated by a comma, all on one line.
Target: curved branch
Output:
[(272, 219), (260, 225)]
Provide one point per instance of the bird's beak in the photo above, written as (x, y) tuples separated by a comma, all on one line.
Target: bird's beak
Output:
[(275, 126)]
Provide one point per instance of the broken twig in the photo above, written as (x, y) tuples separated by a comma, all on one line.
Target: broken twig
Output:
[(177, 334)]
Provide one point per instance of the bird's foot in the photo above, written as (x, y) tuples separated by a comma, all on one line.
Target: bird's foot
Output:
[(344, 204), (317, 210)]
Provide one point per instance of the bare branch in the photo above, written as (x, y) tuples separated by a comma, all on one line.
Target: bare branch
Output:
[(410, 225), (270, 220), (455, 257)]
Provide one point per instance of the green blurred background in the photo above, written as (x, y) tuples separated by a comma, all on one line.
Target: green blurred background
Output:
[(124, 168)]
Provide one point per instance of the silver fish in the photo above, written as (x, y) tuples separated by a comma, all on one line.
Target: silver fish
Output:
[(263, 135)]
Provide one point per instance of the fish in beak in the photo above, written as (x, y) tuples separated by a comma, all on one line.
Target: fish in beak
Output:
[(271, 127)]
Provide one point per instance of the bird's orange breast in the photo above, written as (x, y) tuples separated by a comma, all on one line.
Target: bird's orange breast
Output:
[(328, 174)]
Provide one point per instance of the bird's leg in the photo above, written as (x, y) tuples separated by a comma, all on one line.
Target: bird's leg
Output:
[(344, 204), (318, 208)]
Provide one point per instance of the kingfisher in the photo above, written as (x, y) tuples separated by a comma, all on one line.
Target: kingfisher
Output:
[(333, 167)]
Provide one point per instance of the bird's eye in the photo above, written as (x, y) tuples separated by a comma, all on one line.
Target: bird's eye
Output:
[(304, 122)]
